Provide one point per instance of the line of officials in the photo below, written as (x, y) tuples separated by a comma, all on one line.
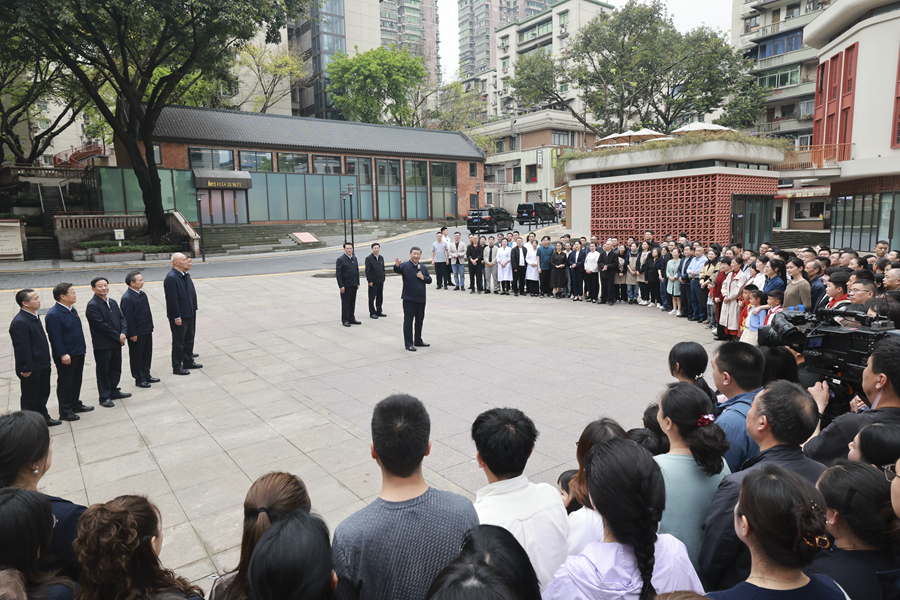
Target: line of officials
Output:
[(112, 325)]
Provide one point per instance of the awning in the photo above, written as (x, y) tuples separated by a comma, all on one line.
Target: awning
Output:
[(205, 179)]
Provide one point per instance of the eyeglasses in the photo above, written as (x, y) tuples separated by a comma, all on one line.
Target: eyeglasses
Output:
[(890, 471)]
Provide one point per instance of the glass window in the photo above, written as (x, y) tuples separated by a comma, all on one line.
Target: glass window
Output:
[(293, 163), (751, 24), (388, 172), (513, 143), (256, 161), (564, 18), (157, 154), (500, 146), (517, 174), (416, 173), (208, 158), (327, 165), (562, 138), (793, 10), (362, 168), (532, 173), (473, 169)]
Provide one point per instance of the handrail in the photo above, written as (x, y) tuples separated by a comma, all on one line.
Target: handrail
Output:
[(62, 197), (821, 156), (41, 196)]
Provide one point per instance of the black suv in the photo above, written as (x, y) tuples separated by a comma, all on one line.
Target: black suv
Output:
[(491, 219), (536, 213)]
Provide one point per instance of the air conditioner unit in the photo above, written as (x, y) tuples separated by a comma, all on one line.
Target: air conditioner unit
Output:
[(562, 29)]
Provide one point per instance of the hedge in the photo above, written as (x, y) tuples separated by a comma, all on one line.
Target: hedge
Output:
[(12, 216), (146, 249)]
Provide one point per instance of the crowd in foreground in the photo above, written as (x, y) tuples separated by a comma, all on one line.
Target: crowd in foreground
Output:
[(739, 493)]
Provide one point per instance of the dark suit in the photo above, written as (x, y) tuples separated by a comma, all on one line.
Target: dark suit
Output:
[(816, 294), (136, 308), (476, 269), (375, 279), (576, 268), (181, 303), (32, 353), (67, 337), (518, 270), (61, 555), (347, 273), (610, 260), (107, 324), (413, 297)]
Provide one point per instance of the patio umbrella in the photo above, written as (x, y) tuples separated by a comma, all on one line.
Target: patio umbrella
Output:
[(632, 136), (694, 127)]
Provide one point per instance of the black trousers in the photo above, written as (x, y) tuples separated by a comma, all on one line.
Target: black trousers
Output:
[(413, 312), (591, 285), (607, 289), (348, 304), (376, 297), (35, 391), (519, 280), (68, 383), (577, 282), (109, 372), (476, 277), (545, 282), (140, 355), (182, 341), (442, 272)]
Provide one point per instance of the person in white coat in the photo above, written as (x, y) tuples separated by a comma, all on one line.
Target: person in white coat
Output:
[(504, 272), (532, 272)]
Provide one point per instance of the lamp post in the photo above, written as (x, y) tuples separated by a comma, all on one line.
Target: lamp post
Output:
[(348, 193), (200, 220)]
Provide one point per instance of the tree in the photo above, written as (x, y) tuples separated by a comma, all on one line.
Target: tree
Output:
[(126, 42), (457, 109), (376, 86), (269, 71), (745, 107)]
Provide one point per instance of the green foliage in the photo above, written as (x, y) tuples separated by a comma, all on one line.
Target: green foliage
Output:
[(112, 247), (376, 86), (270, 71), (12, 216), (745, 108)]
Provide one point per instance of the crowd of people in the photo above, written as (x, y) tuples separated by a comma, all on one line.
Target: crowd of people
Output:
[(735, 490)]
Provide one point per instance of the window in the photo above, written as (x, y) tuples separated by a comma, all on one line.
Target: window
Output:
[(361, 167), (157, 154), (562, 138), (500, 146), (789, 43), (43, 124), (327, 165), (293, 163), (531, 173), (389, 172), (473, 169), (793, 10), (256, 161), (784, 77), (806, 108), (517, 174), (208, 158), (751, 24), (849, 66), (473, 200), (564, 18), (513, 143), (505, 63), (41, 105)]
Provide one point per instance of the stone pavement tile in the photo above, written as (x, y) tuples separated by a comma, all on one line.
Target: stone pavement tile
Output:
[(466, 475), (227, 560), (162, 417), (300, 465), (207, 498), (327, 494), (162, 435), (169, 508), (221, 530), (314, 438), (271, 410), (61, 482), (263, 453), (440, 482), (217, 421), (152, 484), (363, 479), (185, 451), (290, 425), (538, 463), (244, 435), (196, 471), (107, 471), (443, 456), (443, 424), (110, 446), (338, 456), (99, 416)]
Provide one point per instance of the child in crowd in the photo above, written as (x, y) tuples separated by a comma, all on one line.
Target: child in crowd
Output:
[(745, 307), (774, 305), (569, 500), (755, 318)]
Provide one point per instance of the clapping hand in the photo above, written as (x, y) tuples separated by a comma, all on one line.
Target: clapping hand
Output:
[(397, 261)]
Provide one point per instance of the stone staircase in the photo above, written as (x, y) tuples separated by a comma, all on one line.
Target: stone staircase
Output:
[(791, 239), (42, 248)]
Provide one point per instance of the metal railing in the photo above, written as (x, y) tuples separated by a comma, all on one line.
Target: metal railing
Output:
[(821, 156), (10, 172), (780, 59)]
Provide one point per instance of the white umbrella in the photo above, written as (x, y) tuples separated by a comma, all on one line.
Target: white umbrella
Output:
[(662, 139), (694, 127), (632, 136)]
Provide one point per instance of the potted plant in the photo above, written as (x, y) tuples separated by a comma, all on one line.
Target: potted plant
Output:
[(451, 219)]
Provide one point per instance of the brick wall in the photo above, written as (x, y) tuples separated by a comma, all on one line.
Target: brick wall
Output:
[(465, 185)]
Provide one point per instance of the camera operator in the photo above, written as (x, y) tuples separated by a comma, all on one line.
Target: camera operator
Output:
[(880, 383)]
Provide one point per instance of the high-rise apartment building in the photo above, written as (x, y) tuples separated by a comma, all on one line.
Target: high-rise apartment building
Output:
[(413, 24)]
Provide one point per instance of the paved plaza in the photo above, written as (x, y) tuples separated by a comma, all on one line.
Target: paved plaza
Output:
[(286, 387)]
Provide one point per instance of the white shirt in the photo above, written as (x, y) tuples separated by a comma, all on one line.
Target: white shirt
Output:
[(534, 514), (585, 526)]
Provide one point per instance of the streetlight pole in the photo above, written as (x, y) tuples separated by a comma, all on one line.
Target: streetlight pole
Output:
[(344, 214), (200, 220), (350, 190)]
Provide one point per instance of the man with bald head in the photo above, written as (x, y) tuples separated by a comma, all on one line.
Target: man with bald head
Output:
[(181, 309)]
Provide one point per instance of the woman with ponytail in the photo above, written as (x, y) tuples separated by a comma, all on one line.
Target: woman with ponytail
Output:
[(118, 545), (694, 465), (271, 497), (632, 562), (865, 529), (687, 363), (781, 518)]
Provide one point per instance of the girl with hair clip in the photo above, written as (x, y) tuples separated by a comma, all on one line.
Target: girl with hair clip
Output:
[(632, 562), (781, 518), (118, 545), (755, 320), (865, 529), (269, 499), (877, 444), (694, 465), (687, 363)]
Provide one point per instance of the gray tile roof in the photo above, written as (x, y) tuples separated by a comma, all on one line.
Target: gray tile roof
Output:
[(236, 128)]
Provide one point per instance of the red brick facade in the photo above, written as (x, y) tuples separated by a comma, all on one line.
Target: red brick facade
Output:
[(698, 205)]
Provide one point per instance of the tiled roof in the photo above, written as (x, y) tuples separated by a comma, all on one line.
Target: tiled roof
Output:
[(234, 127)]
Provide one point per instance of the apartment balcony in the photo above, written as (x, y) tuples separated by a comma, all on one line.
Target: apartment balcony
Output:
[(748, 9), (785, 25), (806, 53), (806, 160), (785, 126), (807, 88)]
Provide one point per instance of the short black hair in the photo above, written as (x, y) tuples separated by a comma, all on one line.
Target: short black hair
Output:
[(129, 279), (885, 242), (97, 280), (375, 244), (864, 275), (840, 280), (546, 237), (792, 413), (886, 359), (743, 362), (778, 295), (61, 289), (400, 431), (347, 244), (414, 248), (23, 295), (505, 438)]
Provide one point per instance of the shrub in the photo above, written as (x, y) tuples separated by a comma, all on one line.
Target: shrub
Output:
[(12, 216)]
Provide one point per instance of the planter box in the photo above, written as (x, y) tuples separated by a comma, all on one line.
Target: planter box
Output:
[(119, 257), (160, 256), (91, 252), (79, 255)]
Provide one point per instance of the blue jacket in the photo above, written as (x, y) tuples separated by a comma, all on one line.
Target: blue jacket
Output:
[(65, 331), (181, 297), (136, 308), (733, 422), (577, 260), (777, 283), (29, 343), (695, 265), (544, 255), (107, 324), (413, 287)]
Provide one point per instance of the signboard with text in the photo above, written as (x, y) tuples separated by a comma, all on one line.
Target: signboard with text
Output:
[(11, 239)]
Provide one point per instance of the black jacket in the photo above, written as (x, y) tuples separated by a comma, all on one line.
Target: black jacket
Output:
[(514, 258), (413, 287), (181, 297), (474, 252), (347, 271), (724, 559), (611, 261), (107, 323), (577, 259), (375, 268), (29, 342), (136, 309)]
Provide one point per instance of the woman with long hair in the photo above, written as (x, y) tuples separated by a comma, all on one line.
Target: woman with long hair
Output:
[(708, 274), (694, 465), (632, 562), (270, 498), (781, 518), (673, 285), (774, 272), (797, 291), (26, 528), (619, 281), (26, 454), (653, 277), (732, 290), (865, 529), (643, 268), (118, 545), (877, 444), (687, 363), (559, 260)]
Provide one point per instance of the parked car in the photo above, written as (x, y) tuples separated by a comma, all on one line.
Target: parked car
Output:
[(491, 219), (536, 213)]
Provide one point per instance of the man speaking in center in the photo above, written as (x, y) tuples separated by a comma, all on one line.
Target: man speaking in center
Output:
[(415, 278)]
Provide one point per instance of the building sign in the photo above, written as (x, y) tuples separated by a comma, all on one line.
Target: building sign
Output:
[(540, 159), (11, 239), (222, 180), (553, 153)]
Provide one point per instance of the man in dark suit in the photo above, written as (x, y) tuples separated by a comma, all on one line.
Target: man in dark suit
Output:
[(68, 349), (181, 309), (32, 354), (108, 326), (608, 265), (375, 278), (517, 260), (475, 256), (415, 278), (136, 308), (347, 273)]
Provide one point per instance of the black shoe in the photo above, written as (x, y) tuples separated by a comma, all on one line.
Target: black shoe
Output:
[(69, 417), (496, 292), (120, 396), (192, 365), (182, 371), (355, 322), (373, 316), (380, 314), (195, 355), (421, 344), (153, 380), (107, 403), (462, 288), (439, 287), (516, 294), (141, 384), (471, 291), (456, 288), (83, 409), (611, 303), (411, 348), (51, 422), (345, 323)]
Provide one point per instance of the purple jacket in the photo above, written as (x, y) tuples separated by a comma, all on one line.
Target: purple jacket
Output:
[(609, 571)]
